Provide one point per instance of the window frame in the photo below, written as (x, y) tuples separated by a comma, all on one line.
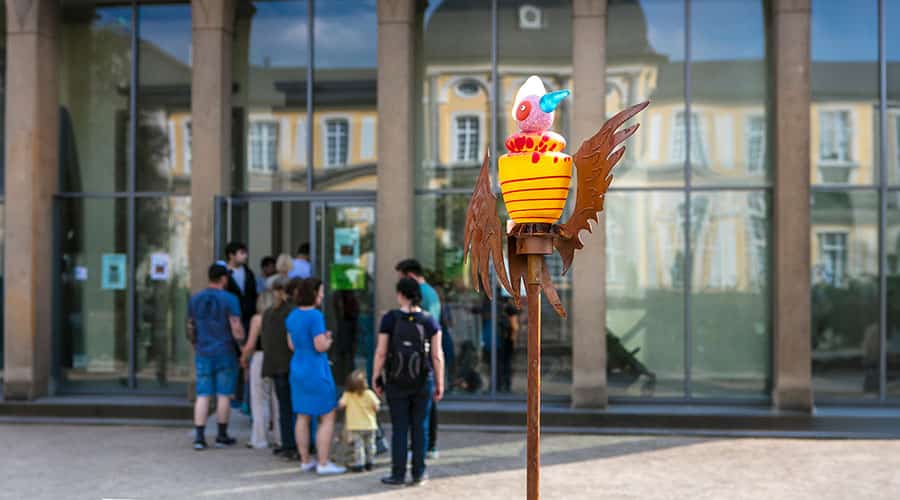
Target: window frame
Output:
[(454, 138), (837, 278), (255, 123), (326, 160), (751, 134)]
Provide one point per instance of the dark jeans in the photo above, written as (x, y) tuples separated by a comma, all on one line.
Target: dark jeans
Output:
[(285, 411), (409, 415), (505, 352), (431, 441)]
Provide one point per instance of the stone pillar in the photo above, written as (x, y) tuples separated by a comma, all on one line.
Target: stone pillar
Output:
[(792, 372), (32, 163), (588, 309), (213, 24), (396, 132)]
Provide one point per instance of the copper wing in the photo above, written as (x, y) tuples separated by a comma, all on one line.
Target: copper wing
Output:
[(594, 162), (484, 234)]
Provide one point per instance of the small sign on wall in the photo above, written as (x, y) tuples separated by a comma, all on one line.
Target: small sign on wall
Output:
[(346, 246), (159, 266), (113, 271)]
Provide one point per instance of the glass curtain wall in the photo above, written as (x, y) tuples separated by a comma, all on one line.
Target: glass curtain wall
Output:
[(123, 210), (688, 298), (457, 117), (467, 59), (855, 212), (278, 69)]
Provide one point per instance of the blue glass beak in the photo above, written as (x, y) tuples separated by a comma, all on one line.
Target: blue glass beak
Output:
[(551, 100)]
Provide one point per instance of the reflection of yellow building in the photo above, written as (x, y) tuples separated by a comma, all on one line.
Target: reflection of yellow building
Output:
[(274, 147)]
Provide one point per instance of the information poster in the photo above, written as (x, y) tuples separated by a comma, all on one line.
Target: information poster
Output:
[(346, 246), (159, 266), (347, 277), (113, 271)]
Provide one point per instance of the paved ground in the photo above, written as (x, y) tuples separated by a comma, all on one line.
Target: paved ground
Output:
[(95, 462)]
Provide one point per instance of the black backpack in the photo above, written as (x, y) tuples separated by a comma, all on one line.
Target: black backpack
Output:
[(407, 367)]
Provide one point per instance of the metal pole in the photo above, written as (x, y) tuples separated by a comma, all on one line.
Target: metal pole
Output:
[(495, 121), (882, 200), (534, 273), (310, 76), (132, 172), (688, 257)]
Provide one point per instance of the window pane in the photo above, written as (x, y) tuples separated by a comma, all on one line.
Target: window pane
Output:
[(845, 338), (95, 77), (456, 80), (892, 21), (345, 95), (556, 336), (535, 38), (440, 220), (645, 294), (94, 279), (269, 104), (645, 60), (164, 99), (2, 281), (728, 93), (892, 251), (163, 288), (2, 102), (730, 329), (844, 127)]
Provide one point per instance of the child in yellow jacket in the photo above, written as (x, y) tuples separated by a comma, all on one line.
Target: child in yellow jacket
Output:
[(361, 405)]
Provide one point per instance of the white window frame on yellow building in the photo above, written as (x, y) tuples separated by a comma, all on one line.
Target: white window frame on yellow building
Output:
[(323, 124)]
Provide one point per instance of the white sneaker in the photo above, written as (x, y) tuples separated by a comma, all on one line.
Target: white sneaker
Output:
[(433, 455), (330, 469), (309, 467)]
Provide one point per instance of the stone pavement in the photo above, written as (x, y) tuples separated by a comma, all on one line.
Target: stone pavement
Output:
[(116, 462)]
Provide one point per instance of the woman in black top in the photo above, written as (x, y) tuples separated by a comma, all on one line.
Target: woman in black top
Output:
[(277, 363), (409, 405)]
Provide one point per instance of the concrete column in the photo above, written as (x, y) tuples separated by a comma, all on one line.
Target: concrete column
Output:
[(396, 131), (588, 308), (791, 61), (213, 23), (32, 162)]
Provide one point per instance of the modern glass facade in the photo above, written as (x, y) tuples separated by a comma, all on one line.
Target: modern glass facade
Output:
[(690, 297), (123, 205), (854, 172), (688, 215)]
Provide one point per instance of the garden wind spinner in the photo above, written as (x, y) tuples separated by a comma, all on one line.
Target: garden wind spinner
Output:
[(534, 177)]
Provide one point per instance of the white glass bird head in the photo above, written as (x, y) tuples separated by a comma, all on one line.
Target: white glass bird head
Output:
[(534, 107)]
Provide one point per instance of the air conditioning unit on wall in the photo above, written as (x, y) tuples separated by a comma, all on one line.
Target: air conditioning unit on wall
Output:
[(531, 17)]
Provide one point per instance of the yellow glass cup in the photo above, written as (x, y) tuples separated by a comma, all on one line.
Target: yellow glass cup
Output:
[(535, 185)]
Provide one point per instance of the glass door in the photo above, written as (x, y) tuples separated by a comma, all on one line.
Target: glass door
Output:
[(341, 240), (344, 258)]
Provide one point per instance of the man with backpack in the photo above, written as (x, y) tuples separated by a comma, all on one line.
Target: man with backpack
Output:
[(409, 369), (431, 303)]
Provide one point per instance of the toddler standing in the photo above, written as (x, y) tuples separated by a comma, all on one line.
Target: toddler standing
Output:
[(361, 405)]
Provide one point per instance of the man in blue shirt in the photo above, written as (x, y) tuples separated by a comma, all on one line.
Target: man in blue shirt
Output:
[(214, 317), (431, 302), (302, 268)]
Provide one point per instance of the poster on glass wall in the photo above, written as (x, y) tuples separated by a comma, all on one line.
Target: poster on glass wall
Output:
[(159, 266), (346, 246), (113, 271)]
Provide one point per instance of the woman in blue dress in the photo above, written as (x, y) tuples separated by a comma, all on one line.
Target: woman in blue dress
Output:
[(313, 391)]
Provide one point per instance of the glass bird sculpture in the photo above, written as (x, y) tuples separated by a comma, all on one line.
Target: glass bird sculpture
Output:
[(535, 177)]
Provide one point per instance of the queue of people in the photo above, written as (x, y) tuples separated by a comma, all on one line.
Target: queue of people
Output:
[(276, 333)]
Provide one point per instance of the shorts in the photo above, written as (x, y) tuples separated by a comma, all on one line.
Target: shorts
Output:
[(216, 374)]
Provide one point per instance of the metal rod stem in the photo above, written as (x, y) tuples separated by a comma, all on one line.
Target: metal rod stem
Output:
[(534, 274)]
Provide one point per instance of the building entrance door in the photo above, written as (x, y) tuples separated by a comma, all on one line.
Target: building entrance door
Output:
[(340, 235)]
